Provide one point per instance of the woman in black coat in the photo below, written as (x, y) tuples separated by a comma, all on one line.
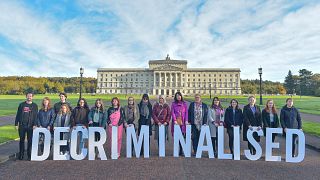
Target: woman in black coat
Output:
[(270, 117), (145, 109), (233, 118), (251, 117)]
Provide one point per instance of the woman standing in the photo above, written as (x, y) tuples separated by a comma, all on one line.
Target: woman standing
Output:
[(251, 117), (63, 120), (45, 118), (179, 112), (161, 115), (233, 118), (132, 114), (215, 119), (145, 109), (115, 118), (97, 118), (80, 117), (270, 117)]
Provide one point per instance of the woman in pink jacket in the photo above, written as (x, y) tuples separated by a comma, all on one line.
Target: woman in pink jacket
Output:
[(179, 112)]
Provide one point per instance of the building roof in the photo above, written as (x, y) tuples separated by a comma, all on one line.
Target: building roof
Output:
[(213, 70), (122, 69)]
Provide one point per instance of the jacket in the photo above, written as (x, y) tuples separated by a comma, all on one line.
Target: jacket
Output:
[(33, 113), (145, 120), (177, 109), (57, 106), (191, 113), (161, 114), (266, 119), (228, 117), (45, 118), (102, 117), (211, 121), (112, 110), (136, 115), (250, 119), (287, 122), (80, 116)]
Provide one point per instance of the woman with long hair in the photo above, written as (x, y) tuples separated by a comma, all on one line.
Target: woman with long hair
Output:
[(145, 110), (270, 117), (63, 119), (115, 117)]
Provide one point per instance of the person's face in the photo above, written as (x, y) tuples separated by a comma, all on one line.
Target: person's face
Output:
[(81, 103), (29, 97), (197, 99), (252, 101), (130, 101), (62, 98), (234, 104), (289, 103), (114, 102), (45, 103), (178, 97), (161, 100), (270, 104), (98, 104), (64, 109), (145, 99), (216, 102)]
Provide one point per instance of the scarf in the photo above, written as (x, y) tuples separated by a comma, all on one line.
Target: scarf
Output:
[(198, 115), (144, 110)]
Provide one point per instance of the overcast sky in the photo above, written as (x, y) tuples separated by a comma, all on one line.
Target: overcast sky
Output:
[(55, 38)]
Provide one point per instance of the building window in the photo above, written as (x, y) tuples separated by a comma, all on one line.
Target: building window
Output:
[(194, 75), (219, 75)]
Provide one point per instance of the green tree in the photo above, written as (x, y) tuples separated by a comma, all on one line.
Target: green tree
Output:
[(289, 83), (305, 81)]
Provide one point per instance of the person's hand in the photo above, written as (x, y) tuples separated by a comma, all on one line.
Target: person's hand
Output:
[(258, 128), (83, 127), (250, 127), (300, 129), (187, 122), (48, 128), (221, 123), (232, 126), (126, 125), (175, 122), (216, 124), (285, 130), (17, 127), (159, 124), (34, 127), (204, 124), (165, 123), (74, 127), (90, 122), (110, 125)]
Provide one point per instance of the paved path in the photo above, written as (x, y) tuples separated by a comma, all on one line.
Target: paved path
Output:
[(7, 120)]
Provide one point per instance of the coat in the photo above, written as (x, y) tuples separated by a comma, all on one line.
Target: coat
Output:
[(161, 114), (145, 120), (250, 119), (112, 110), (204, 113), (176, 109), (136, 115), (228, 117), (45, 118), (80, 115), (287, 122), (33, 113), (211, 120), (67, 123), (102, 117)]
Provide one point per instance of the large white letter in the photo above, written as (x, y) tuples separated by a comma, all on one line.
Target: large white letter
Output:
[(137, 144), (162, 141), (254, 143), (35, 144), (186, 144), (236, 143), (221, 154), (98, 144), (58, 143), (74, 138), (301, 145), (205, 133), (270, 145), (114, 142)]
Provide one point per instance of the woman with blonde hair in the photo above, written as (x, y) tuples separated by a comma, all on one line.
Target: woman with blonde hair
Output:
[(63, 119)]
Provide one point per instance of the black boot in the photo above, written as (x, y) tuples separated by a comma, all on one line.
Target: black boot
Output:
[(21, 155)]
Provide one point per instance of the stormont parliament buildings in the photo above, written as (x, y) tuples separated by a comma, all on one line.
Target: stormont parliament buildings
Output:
[(168, 76)]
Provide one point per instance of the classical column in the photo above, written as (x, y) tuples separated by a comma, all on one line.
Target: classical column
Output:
[(160, 79), (165, 79), (176, 79)]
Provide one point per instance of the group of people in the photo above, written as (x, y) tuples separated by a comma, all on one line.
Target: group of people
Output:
[(197, 114)]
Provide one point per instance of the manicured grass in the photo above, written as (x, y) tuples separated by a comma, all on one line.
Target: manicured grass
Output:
[(311, 128), (307, 104), (8, 133), (10, 103)]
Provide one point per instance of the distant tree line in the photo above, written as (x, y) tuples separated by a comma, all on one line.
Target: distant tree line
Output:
[(268, 87), (43, 85)]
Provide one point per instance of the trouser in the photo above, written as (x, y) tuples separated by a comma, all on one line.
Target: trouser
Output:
[(231, 136), (96, 134), (64, 148), (195, 138), (294, 144), (23, 131), (214, 144), (142, 147)]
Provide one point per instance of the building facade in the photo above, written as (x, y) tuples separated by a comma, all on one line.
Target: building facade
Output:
[(166, 77)]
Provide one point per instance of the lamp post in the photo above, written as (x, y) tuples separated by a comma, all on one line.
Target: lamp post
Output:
[(81, 73), (210, 90), (260, 74)]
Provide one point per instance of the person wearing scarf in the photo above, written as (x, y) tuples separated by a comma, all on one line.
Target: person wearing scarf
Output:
[(161, 115), (145, 109), (251, 117), (215, 119), (115, 117), (197, 114)]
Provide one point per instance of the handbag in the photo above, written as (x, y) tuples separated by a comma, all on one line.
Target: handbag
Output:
[(115, 117), (179, 119)]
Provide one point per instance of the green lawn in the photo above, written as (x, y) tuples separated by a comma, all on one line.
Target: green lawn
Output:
[(8, 133), (307, 104), (10, 103), (311, 128)]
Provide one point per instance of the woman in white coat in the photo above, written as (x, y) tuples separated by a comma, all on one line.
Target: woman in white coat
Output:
[(215, 119)]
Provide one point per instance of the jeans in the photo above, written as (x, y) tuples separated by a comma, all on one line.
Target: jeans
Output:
[(23, 131)]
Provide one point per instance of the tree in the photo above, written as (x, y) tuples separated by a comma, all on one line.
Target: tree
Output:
[(305, 81), (289, 83)]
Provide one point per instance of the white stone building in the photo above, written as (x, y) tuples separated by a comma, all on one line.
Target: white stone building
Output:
[(168, 76)]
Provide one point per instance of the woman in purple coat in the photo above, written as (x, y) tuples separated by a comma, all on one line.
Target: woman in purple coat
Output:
[(179, 112)]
